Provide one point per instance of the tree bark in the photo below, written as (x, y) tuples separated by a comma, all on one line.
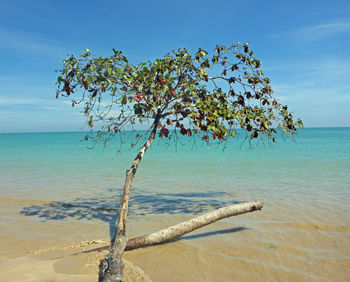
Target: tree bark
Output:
[(184, 227), (111, 268)]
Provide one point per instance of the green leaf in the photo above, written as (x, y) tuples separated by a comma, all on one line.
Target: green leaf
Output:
[(202, 72), (138, 109), (124, 100)]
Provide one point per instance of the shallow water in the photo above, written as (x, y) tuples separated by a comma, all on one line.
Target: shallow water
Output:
[(302, 233)]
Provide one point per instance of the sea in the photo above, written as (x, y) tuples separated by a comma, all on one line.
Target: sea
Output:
[(303, 182)]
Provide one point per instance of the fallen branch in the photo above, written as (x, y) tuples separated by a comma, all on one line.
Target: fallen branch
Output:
[(184, 227)]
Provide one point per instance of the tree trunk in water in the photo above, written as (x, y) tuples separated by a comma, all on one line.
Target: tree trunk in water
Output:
[(184, 227), (111, 268)]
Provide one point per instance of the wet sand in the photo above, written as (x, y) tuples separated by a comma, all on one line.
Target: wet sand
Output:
[(34, 250), (279, 243)]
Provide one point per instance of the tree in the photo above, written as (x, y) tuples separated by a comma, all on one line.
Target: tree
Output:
[(200, 94)]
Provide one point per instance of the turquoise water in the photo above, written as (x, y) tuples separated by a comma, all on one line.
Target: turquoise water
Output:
[(312, 168), (301, 234)]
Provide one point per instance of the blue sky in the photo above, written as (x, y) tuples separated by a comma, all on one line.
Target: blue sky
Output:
[(304, 47)]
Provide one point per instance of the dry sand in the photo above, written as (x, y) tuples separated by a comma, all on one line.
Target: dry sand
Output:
[(251, 247)]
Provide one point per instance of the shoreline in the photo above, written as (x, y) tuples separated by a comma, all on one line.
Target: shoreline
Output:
[(244, 248)]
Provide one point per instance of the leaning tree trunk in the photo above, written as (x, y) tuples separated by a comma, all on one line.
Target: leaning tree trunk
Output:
[(184, 227), (111, 268)]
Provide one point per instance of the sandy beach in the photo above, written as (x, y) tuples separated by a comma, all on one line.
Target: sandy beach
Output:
[(31, 250), (251, 247)]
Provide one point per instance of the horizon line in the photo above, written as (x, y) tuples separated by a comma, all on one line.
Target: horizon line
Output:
[(76, 131)]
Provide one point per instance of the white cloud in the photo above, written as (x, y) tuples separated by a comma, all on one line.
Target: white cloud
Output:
[(323, 71), (26, 42), (323, 29), (45, 104), (7, 101), (317, 31), (317, 89)]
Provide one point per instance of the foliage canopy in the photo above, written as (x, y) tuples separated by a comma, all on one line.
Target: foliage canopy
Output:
[(200, 93)]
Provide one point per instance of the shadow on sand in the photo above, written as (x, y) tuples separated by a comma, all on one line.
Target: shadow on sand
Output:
[(212, 233), (142, 203)]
